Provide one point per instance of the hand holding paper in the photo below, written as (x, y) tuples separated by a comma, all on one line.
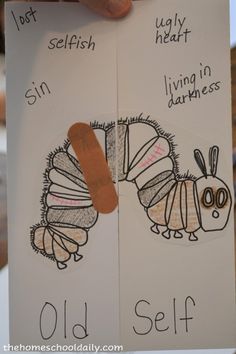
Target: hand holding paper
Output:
[(107, 8)]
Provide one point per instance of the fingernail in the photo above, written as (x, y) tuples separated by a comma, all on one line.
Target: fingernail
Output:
[(118, 8)]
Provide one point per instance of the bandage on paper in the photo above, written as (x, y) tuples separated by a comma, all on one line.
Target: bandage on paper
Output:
[(94, 167)]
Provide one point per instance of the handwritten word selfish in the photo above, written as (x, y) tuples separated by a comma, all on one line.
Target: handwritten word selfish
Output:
[(171, 29), (72, 42), (149, 320), (192, 87)]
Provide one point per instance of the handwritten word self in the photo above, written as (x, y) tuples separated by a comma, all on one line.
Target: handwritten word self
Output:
[(171, 29), (149, 319), (27, 17), (184, 88)]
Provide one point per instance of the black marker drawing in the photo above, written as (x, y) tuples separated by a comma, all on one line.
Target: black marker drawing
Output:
[(146, 157)]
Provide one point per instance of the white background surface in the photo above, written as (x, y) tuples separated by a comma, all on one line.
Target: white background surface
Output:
[(233, 22)]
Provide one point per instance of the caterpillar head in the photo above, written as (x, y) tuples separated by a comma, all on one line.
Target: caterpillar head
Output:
[(212, 194)]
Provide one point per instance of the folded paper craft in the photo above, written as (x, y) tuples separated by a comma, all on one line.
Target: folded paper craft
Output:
[(120, 230)]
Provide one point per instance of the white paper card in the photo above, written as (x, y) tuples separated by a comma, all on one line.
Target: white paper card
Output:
[(173, 62), (51, 88), (158, 272)]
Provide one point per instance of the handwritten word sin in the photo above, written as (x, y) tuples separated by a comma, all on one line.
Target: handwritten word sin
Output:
[(171, 29), (149, 320), (52, 320), (28, 17), (35, 93), (72, 42), (187, 88)]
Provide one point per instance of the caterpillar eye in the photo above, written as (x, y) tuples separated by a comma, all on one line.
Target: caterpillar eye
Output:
[(208, 199), (221, 197)]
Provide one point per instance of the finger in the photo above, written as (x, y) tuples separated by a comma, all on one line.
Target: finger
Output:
[(109, 8)]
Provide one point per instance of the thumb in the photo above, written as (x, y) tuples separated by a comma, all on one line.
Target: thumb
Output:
[(109, 8)]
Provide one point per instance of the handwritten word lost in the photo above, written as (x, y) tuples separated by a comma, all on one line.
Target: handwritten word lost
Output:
[(27, 17), (185, 88), (72, 42), (171, 29)]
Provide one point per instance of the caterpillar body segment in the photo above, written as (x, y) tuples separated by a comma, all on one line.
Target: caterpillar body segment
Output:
[(176, 210), (144, 155), (59, 243)]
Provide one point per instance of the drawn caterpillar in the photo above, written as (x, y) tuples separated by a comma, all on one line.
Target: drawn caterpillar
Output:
[(147, 158)]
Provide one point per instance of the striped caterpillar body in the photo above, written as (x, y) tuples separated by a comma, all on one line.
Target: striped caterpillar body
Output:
[(146, 156)]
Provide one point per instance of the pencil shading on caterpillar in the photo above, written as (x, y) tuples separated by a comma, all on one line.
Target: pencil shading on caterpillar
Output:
[(176, 205)]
